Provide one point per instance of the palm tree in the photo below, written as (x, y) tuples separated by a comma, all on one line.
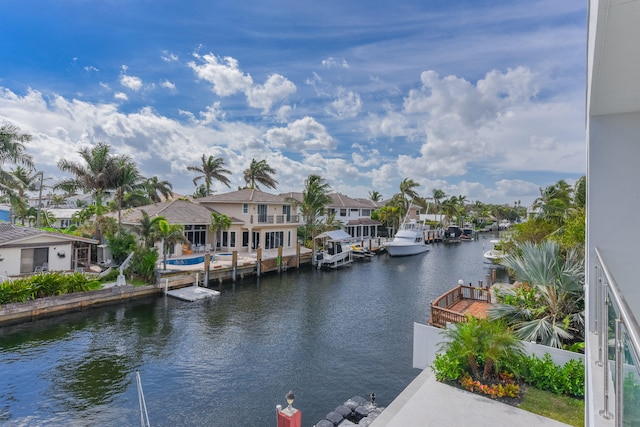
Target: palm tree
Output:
[(169, 234), (210, 169), (12, 151), (549, 309), (408, 191), (500, 345), (154, 188), (259, 172), (315, 198), (127, 179), (375, 196), (437, 196), (21, 180), (201, 191), (96, 175), (218, 223), (147, 228), (464, 341)]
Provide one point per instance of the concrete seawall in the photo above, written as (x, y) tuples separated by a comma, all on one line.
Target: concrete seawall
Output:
[(51, 306)]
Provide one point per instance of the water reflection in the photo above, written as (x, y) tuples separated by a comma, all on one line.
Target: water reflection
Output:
[(227, 361)]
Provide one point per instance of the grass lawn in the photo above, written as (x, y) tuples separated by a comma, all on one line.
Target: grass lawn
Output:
[(561, 408)]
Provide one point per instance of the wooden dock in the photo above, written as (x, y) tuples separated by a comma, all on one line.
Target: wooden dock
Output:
[(456, 304)]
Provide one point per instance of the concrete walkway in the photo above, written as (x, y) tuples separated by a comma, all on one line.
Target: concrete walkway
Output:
[(427, 402)]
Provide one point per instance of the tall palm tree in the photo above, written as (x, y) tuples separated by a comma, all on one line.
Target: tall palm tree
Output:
[(437, 195), (126, 179), (156, 188), (260, 172), (408, 191), (94, 175), (20, 180), (219, 222), (12, 151), (315, 198), (211, 168)]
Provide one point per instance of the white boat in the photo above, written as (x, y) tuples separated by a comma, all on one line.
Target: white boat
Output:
[(409, 240), (494, 254), (336, 249)]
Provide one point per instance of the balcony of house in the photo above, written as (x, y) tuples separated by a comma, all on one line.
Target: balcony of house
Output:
[(275, 219), (613, 352), (455, 305)]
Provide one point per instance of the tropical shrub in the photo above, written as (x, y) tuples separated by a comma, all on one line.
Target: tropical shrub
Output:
[(143, 263), (44, 285), (549, 308), (546, 375), (446, 367), (481, 343)]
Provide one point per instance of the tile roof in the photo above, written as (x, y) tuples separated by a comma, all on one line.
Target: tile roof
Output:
[(11, 233), (243, 196), (174, 211)]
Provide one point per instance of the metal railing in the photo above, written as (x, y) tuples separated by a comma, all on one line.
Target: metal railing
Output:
[(274, 219), (441, 312), (618, 349)]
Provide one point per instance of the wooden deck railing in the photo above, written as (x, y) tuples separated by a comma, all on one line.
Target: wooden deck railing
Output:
[(441, 312)]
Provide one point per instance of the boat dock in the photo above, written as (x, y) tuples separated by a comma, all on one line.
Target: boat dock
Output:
[(192, 293)]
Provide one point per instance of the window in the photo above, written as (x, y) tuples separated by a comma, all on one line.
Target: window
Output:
[(286, 212), (232, 239), (366, 212), (245, 239), (245, 208), (343, 212), (273, 239), (196, 234), (262, 213), (331, 211), (225, 238), (65, 223)]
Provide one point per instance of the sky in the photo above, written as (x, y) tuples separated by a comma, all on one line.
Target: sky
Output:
[(479, 98)]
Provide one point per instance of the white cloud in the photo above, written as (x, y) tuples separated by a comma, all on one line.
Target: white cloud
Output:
[(131, 82), (90, 68), (331, 62), (168, 56), (303, 134), (121, 96), (348, 104), (168, 85), (222, 73), (275, 89)]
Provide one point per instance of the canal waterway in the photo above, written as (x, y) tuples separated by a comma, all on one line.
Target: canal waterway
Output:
[(227, 361)]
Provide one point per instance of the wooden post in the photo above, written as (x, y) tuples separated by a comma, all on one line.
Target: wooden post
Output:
[(234, 265), (298, 254), (207, 262), (258, 262)]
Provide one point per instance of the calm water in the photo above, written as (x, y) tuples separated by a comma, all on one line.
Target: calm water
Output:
[(328, 335)]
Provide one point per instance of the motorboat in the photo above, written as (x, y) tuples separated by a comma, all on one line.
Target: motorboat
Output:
[(494, 255), (409, 240), (335, 249)]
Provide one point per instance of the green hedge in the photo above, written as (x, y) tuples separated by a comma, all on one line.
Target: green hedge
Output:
[(44, 285), (546, 375)]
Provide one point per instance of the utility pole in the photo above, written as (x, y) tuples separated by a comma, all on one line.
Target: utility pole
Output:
[(41, 173)]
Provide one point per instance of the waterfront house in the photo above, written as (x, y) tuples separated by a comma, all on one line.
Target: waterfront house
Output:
[(25, 250), (194, 217), (260, 220), (355, 214)]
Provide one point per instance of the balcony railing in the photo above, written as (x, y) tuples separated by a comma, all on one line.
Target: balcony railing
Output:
[(618, 350), (274, 219)]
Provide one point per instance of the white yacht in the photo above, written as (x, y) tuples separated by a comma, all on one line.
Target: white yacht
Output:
[(409, 240)]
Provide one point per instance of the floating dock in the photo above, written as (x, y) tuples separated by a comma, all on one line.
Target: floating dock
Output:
[(192, 293)]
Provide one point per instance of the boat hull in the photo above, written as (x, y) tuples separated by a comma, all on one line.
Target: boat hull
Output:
[(406, 250)]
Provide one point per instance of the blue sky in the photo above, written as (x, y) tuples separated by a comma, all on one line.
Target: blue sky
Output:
[(477, 98)]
